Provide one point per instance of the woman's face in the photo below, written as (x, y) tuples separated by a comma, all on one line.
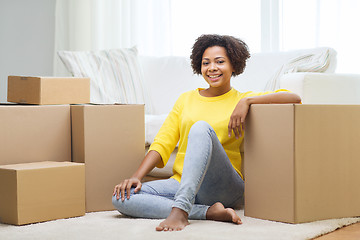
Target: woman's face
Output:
[(216, 68)]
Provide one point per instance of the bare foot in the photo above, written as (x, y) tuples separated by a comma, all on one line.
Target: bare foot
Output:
[(218, 212), (176, 221)]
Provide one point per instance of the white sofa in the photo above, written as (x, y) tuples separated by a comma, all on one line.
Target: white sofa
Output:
[(308, 72), (120, 75)]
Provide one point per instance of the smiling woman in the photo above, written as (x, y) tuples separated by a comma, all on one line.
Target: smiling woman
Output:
[(216, 69), (208, 124), (218, 58)]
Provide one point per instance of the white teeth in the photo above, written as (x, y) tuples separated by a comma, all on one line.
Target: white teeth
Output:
[(213, 76)]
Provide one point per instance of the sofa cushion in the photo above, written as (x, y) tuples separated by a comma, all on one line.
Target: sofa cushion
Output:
[(167, 170), (321, 60), (153, 124), (116, 76), (166, 78), (324, 88)]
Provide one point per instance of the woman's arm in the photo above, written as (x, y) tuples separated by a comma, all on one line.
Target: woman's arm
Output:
[(237, 119), (169, 135), (151, 159)]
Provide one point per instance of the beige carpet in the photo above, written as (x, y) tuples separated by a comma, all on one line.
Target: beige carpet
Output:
[(112, 225)]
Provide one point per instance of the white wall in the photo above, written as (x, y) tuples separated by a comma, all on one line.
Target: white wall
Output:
[(26, 39)]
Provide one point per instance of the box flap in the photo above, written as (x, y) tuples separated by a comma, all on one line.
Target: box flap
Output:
[(37, 165)]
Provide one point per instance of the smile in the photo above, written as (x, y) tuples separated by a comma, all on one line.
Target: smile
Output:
[(214, 76)]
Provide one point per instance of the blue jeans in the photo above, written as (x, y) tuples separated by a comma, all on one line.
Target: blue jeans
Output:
[(208, 177)]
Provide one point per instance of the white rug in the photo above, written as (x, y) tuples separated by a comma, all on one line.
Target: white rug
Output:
[(112, 225)]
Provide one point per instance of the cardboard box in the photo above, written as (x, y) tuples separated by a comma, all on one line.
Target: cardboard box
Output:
[(37, 192), (34, 133), (48, 90), (302, 162), (110, 140)]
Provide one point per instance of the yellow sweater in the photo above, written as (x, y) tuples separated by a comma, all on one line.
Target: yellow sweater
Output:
[(190, 108)]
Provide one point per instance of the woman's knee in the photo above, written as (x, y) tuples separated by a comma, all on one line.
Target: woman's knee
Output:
[(118, 204), (127, 207), (122, 206), (200, 127)]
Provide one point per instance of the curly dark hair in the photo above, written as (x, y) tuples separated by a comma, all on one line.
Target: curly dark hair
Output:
[(237, 51)]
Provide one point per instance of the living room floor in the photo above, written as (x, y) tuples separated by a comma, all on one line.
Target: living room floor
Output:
[(351, 232)]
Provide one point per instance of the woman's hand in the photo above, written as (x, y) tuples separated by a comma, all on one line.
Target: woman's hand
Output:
[(151, 159), (237, 118), (125, 186)]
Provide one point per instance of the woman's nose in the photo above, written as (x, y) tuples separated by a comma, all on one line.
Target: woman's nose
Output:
[(212, 67)]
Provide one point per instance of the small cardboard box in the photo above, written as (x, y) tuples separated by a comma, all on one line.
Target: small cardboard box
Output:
[(42, 191), (34, 133), (110, 140), (48, 90), (302, 162)]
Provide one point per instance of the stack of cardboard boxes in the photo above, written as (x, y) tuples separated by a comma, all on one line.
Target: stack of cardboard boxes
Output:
[(58, 159)]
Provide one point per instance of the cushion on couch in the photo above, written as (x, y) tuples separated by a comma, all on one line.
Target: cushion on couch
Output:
[(324, 88), (166, 78), (320, 60), (153, 124), (115, 74)]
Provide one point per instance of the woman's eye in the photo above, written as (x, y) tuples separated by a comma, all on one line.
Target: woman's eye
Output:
[(205, 63), (220, 61)]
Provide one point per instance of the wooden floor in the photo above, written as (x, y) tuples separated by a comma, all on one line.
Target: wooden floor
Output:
[(351, 232)]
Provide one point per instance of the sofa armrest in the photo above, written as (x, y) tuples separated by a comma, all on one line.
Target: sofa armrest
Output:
[(324, 88)]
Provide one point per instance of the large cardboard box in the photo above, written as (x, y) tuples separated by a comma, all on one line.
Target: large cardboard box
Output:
[(42, 191), (34, 133), (110, 140), (302, 162), (48, 90)]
